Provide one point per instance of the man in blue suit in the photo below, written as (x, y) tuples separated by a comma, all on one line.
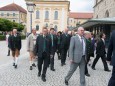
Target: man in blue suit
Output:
[(111, 58)]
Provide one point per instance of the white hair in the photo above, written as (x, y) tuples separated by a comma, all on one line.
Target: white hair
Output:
[(87, 32), (14, 30)]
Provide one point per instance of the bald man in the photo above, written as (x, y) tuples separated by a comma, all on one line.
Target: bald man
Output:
[(31, 42), (77, 56)]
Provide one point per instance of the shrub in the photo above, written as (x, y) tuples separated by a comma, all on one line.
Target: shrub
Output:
[(2, 37)]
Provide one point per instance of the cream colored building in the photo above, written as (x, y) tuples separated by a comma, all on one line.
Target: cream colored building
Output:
[(104, 8), (76, 18), (14, 12), (49, 13)]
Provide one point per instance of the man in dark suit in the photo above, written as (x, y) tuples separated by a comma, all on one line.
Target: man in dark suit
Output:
[(15, 46), (53, 39), (65, 41), (111, 58), (43, 48), (100, 51), (87, 36), (58, 45)]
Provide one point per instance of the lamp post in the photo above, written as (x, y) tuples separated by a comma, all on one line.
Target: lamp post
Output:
[(30, 8)]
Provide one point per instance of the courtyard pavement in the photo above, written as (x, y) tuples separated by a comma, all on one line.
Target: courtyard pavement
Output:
[(22, 76)]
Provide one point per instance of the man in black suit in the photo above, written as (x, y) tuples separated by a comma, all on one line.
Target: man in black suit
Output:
[(87, 36), (59, 45), (43, 48), (100, 51), (65, 41), (111, 58), (15, 46), (53, 39)]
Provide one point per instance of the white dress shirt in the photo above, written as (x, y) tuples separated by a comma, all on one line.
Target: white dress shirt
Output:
[(82, 39)]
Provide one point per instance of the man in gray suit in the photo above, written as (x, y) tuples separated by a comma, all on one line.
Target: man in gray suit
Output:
[(77, 52)]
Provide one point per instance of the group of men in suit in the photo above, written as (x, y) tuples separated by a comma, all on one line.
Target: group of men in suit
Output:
[(45, 47), (46, 44)]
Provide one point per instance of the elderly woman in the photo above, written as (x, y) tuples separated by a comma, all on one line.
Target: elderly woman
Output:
[(31, 42)]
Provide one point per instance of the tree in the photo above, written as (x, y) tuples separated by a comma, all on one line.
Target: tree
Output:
[(7, 25)]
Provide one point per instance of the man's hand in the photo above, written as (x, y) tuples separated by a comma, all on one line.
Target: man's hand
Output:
[(71, 61), (109, 62), (51, 56)]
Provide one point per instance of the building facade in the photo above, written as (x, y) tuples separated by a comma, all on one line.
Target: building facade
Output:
[(14, 13), (104, 8), (76, 18), (49, 13)]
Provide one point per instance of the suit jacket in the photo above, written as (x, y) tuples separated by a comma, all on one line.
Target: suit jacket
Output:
[(30, 43), (40, 45), (100, 49), (111, 49), (75, 49), (65, 41), (15, 42), (88, 47), (54, 47)]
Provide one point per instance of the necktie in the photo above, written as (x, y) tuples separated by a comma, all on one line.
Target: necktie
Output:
[(52, 40), (82, 45), (44, 44)]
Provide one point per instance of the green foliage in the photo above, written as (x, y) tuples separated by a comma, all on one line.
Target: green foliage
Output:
[(23, 37), (2, 37), (7, 25)]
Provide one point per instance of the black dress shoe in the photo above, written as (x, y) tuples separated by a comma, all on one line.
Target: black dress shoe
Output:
[(33, 65), (15, 66), (30, 67), (108, 70), (66, 82), (62, 64), (52, 69), (39, 74), (93, 68), (88, 75), (43, 79)]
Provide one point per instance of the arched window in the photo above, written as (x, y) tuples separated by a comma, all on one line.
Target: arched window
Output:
[(107, 14), (37, 27), (56, 15), (14, 14), (55, 27), (37, 14), (47, 15), (46, 25), (8, 14), (97, 16)]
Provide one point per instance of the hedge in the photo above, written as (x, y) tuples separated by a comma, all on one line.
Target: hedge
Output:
[(3, 37)]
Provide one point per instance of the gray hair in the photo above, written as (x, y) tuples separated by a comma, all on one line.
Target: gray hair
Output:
[(87, 32)]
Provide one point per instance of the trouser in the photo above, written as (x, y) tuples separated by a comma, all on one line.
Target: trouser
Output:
[(73, 67), (52, 59), (43, 61), (86, 69), (58, 51), (103, 58), (112, 79), (63, 56)]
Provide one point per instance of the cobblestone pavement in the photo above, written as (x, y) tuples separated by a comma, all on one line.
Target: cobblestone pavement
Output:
[(22, 76)]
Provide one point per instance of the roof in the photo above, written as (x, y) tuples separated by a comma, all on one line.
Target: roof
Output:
[(80, 15), (13, 7), (92, 22)]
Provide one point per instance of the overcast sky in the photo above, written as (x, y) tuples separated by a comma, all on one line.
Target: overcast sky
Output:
[(75, 5)]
